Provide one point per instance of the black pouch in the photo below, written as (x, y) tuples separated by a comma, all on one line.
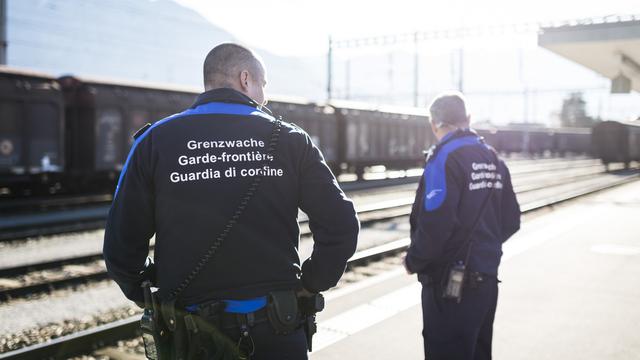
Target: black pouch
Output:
[(208, 342), (282, 310)]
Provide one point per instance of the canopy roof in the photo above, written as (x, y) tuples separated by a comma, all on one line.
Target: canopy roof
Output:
[(609, 46)]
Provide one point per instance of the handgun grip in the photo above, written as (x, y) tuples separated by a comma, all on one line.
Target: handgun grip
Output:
[(146, 290)]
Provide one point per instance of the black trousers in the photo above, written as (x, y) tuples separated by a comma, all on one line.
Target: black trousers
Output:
[(461, 331), (268, 345)]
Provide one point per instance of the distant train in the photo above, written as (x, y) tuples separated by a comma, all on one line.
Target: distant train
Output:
[(72, 135), (615, 141), (31, 133)]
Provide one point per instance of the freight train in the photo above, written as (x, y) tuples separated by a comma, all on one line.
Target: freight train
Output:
[(72, 135)]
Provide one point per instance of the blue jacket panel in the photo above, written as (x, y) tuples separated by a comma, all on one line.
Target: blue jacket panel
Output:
[(184, 179), (459, 173)]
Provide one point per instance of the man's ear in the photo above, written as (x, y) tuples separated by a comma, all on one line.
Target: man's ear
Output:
[(244, 80), (434, 129)]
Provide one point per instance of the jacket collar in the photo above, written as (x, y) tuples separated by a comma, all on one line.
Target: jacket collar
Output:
[(225, 95), (456, 134)]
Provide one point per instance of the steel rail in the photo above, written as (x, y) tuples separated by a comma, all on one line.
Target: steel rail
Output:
[(86, 341)]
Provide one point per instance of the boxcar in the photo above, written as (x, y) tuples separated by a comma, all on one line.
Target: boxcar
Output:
[(102, 118), (318, 120), (615, 141), (394, 138), (574, 141), (538, 140), (31, 133)]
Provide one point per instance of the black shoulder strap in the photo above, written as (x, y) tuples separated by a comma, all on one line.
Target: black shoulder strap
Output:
[(469, 239), (273, 142), (141, 131)]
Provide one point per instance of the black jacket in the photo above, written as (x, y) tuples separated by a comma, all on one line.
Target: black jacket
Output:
[(184, 178), (459, 172)]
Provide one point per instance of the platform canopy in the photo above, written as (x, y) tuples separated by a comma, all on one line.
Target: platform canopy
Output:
[(609, 46)]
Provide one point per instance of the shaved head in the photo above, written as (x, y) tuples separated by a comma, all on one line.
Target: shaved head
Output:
[(225, 62)]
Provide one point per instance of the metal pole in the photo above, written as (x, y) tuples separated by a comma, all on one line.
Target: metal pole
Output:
[(461, 70), (415, 70), (329, 61), (348, 79), (3, 32), (526, 105), (390, 78), (525, 90)]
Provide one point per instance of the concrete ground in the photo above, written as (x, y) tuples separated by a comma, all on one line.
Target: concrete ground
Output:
[(570, 290)]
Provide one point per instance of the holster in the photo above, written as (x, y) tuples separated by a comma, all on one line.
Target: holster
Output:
[(288, 312), (192, 336), (282, 310), (309, 307)]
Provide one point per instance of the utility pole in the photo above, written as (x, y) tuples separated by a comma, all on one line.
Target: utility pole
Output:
[(416, 60), (391, 96), (329, 61), (3, 32), (461, 70), (525, 89), (347, 85)]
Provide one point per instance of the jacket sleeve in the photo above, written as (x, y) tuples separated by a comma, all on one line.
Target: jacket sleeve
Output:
[(332, 220), (130, 224), (510, 208), (435, 217)]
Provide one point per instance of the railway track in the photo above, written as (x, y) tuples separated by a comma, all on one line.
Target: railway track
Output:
[(27, 279), (24, 218), (89, 340), (47, 216)]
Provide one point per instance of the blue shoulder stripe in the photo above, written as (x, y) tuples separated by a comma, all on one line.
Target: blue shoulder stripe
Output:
[(204, 109), (435, 177)]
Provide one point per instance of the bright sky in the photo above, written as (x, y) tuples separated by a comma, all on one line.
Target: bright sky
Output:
[(302, 27)]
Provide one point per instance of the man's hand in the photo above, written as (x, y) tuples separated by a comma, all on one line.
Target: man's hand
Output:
[(404, 262), (304, 293)]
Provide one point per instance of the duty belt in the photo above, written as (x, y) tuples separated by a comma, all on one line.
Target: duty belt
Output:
[(475, 278), (232, 314), (472, 278)]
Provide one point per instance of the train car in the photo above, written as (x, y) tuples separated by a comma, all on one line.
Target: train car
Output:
[(490, 135), (318, 120), (31, 133), (572, 141), (538, 141), (392, 137), (102, 117), (508, 140), (615, 141), (541, 141)]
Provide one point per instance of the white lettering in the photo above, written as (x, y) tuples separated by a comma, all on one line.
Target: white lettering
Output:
[(483, 166), (218, 144)]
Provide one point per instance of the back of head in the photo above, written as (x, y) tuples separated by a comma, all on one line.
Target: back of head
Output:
[(449, 109), (225, 62)]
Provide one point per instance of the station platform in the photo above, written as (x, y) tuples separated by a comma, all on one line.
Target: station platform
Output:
[(570, 290)]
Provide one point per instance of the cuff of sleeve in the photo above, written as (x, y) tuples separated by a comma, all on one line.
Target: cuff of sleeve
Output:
[(133, 293), (307, 275), (408, 264)]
